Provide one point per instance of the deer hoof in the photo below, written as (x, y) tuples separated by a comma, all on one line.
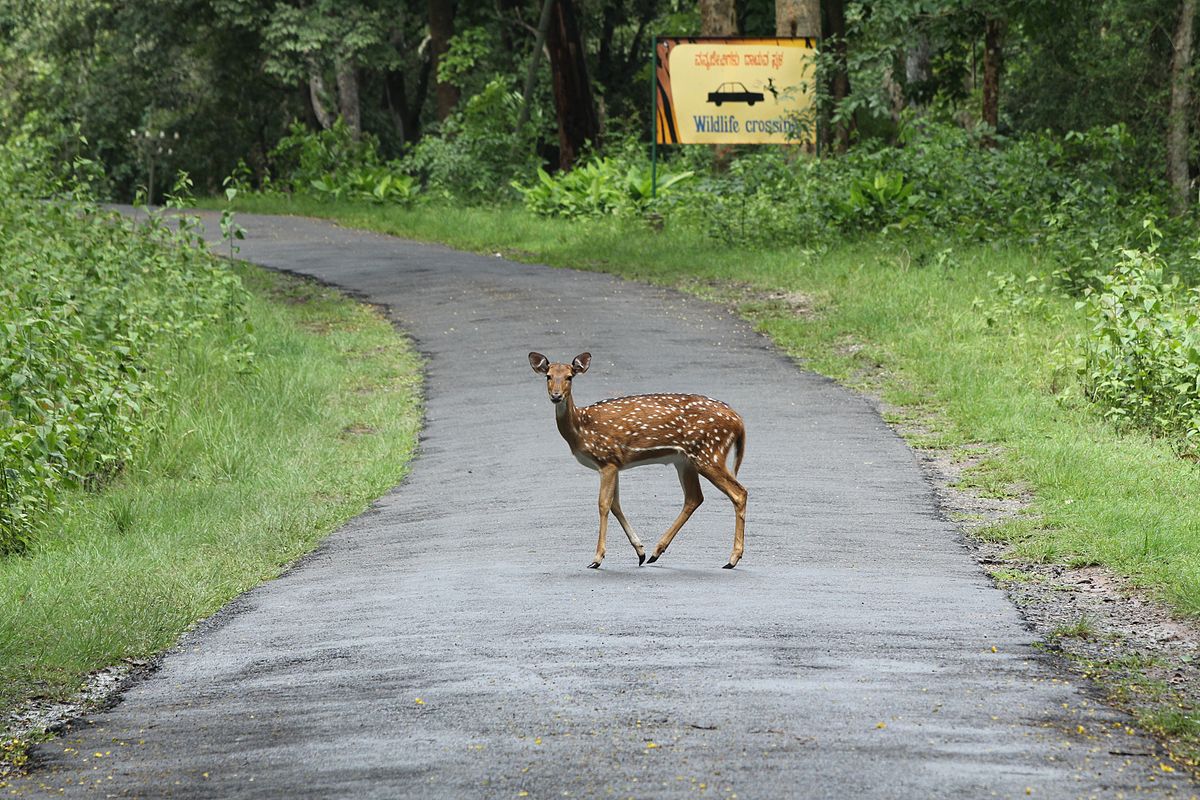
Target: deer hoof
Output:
[(652, 559), (594, 565), (727, 566), (642, 559)]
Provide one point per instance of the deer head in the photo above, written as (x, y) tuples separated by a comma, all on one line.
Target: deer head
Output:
[(558, 376)]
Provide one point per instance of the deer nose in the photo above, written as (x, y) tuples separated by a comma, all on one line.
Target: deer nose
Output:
[(556, 398)]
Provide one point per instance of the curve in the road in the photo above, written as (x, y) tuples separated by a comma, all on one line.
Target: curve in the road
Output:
[(451, 643)]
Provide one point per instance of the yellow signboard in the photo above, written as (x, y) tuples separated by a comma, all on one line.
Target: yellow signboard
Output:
[(735, 91)]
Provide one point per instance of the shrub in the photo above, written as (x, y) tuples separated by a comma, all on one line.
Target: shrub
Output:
[(600, 186), (92, 310), (1141, 360), (478, 152), (1075, 198), (332, 163)]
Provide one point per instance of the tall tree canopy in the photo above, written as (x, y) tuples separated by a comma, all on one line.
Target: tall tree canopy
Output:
[(230, 76)]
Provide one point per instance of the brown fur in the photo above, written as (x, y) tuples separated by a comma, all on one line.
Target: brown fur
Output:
[(691, 431)]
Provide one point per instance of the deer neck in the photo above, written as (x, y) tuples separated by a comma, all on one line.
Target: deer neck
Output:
[(567, 417)]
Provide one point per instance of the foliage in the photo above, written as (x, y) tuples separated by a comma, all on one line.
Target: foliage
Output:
[(479, 150), (601, 186), (1141, 359), (1073, 198), (299, 39), (247, 471), (177, 66), (1016, 299), (92, 307), (880, 200), (1087, 65), (463, 55), (332, 163)]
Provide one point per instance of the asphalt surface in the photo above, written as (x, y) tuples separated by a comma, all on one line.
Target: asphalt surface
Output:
[(450, 643)]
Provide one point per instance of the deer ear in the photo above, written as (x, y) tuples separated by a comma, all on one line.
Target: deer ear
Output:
[(539, 363), (581, 363)]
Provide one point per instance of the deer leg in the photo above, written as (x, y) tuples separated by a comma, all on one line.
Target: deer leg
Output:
[(625, 526), (692, 498), (720, 477), (608, 491)]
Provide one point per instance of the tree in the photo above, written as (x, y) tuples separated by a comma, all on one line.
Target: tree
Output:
[(1177, 118), (993, 59), (839, 78), (578, 122), (321, 44), (718, 18), (441, 30), (622, 50), (798, 18)]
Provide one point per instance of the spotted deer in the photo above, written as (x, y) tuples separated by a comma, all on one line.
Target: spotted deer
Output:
[(691, 432)]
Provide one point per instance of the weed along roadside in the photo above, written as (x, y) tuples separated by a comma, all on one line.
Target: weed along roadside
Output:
[(977, 368), (256, 435)]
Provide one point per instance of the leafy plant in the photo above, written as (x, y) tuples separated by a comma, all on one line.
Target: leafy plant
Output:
[(230, 229), (884, 199), (1141, 360), (601, 186), (476, 154), (92, 308), (333, 164)]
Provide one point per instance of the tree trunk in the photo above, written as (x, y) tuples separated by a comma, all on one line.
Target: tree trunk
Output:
[(611, 15), (917, 69), (798, 18), (441, 29), (539, 44), (412, 124), (316, 96), (993, 52), (395, 101), (1177, 119), (577, 119), (348, 103), (718, 18), (839, 82)]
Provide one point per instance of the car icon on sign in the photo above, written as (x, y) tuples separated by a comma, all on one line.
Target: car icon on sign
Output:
[(734, 92)]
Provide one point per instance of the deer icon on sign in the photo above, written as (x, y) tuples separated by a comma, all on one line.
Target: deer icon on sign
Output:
[(692, 432)]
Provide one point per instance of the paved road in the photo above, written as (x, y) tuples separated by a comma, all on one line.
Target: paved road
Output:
[(856, 651)]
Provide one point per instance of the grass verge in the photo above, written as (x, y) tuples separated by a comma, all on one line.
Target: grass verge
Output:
[(245, 472)]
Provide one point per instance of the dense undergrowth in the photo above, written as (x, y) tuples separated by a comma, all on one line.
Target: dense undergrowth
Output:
[(94, 312)]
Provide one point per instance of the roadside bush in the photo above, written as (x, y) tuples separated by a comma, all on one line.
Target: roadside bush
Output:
[(601, 186), (475, 155), (333, 164), (93, 308), (1074, 198), (1141, 360)]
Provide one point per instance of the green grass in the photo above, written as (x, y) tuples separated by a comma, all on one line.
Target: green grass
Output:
[(245, 473), (898, 319), (1081, 628)]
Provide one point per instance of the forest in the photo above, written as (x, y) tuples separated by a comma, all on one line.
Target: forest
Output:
[(454, 95)]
